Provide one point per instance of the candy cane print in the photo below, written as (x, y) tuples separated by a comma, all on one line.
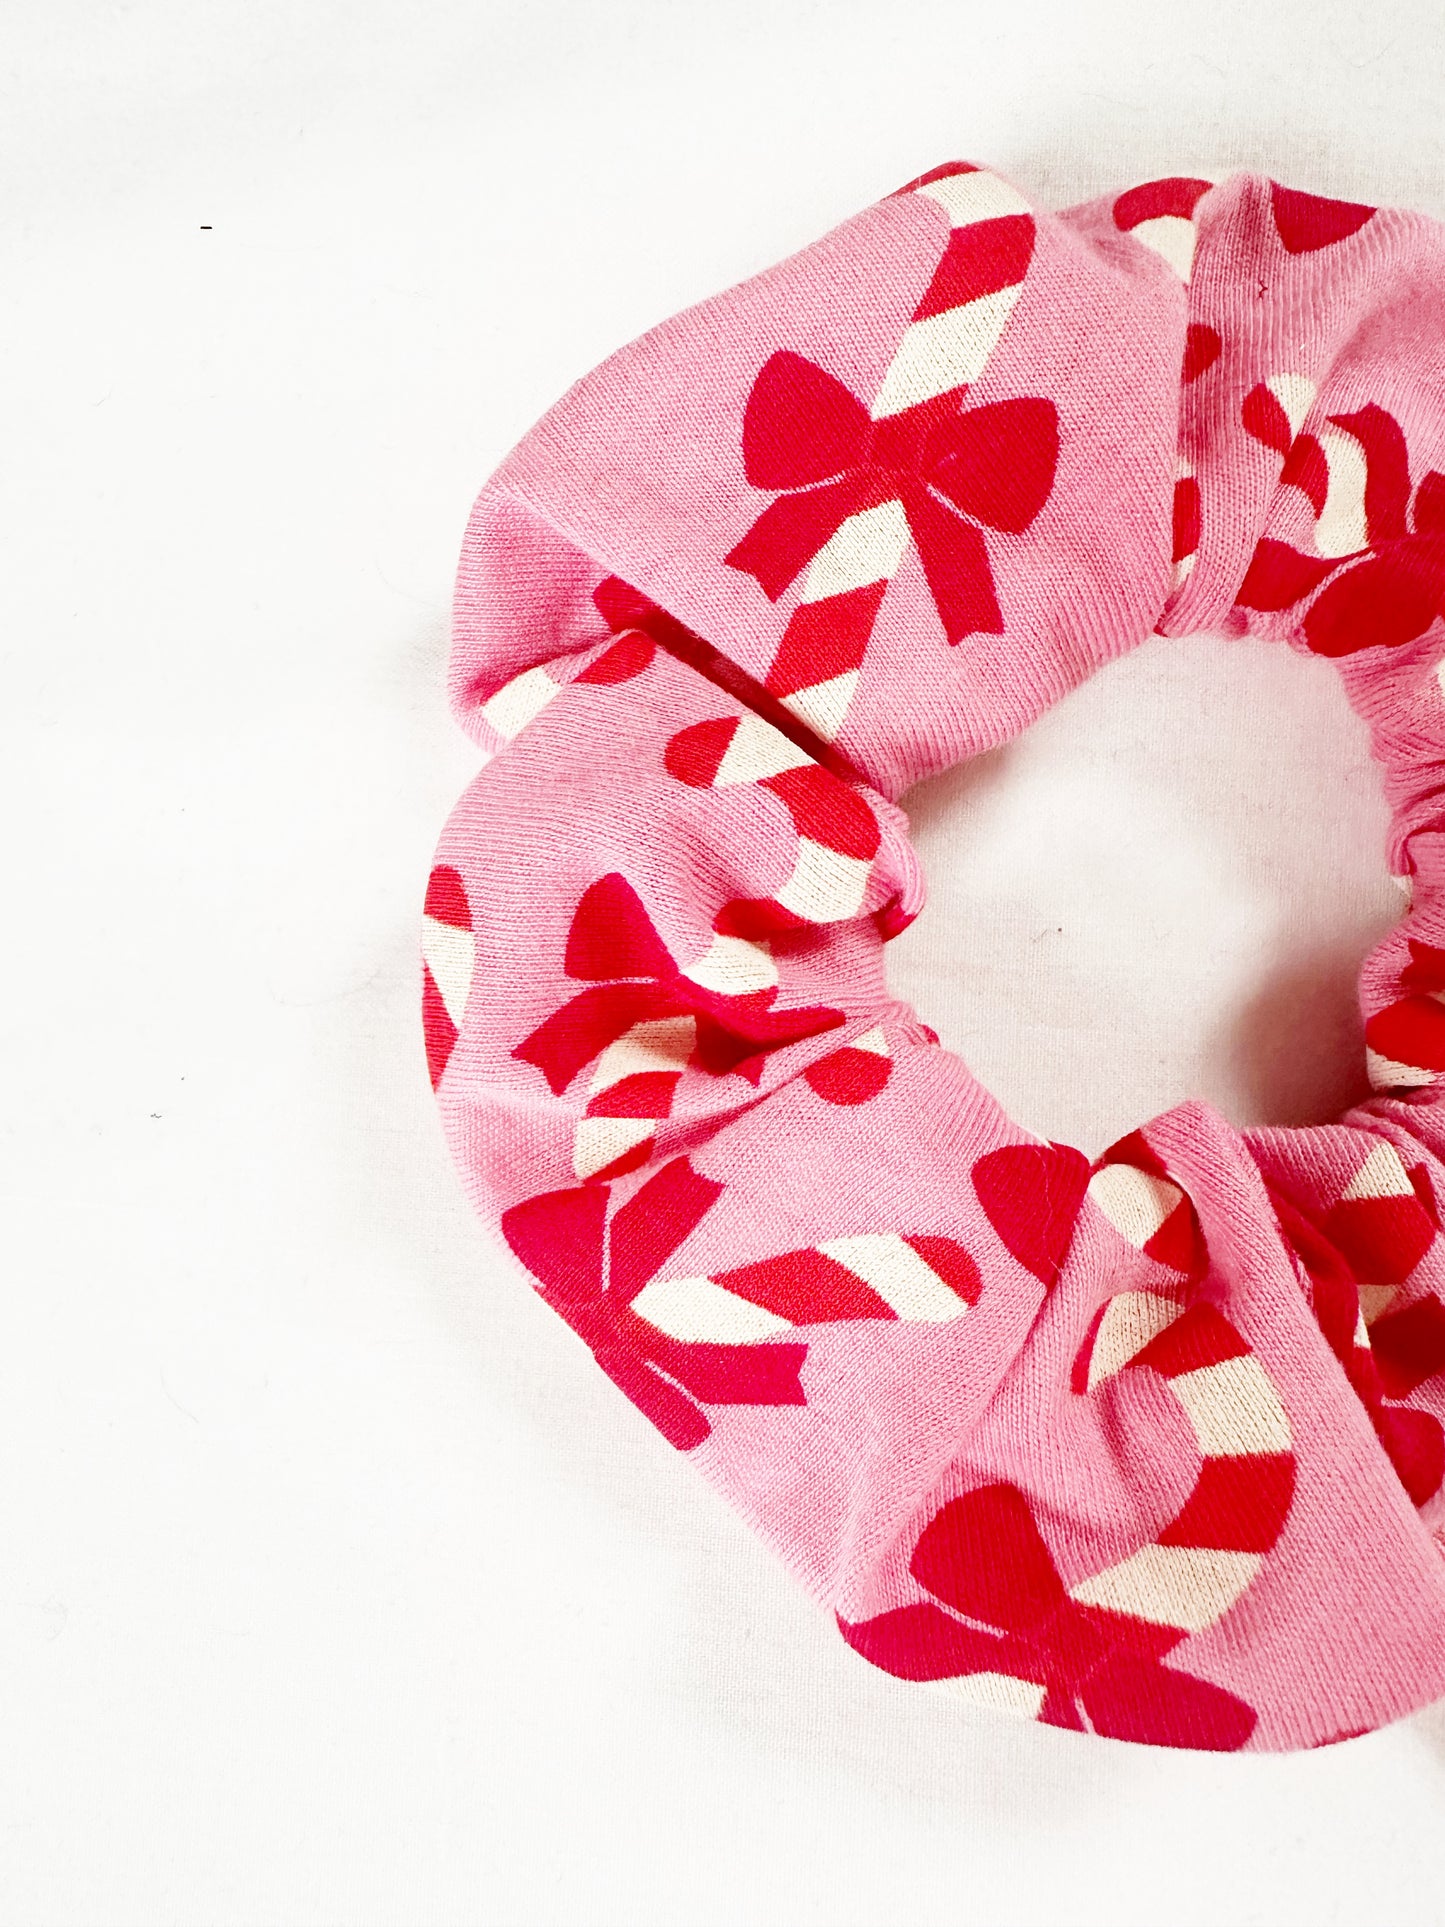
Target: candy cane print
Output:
[(448, 950), (1374, 531), (634, 1081), (520, 700), (1214, 1547), (1274, 410), (1132, 1187), (1380, 1222), (1188, 523), (1405, 1041), (644, 1020), (1329, 468), (882, 1275), (629, 1094), (678, 1345), (999, 1624), (853, 554), (1379, 1229), (838, 835), (1211, 1552), (1161, 215)]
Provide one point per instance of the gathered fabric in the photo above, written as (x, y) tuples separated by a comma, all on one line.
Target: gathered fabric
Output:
[(1148, 1446)]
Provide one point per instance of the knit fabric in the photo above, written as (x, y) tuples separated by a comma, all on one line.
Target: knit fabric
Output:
[(1150, 1447)]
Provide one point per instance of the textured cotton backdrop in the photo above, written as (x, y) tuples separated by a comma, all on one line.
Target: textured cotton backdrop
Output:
[(338, 1586)]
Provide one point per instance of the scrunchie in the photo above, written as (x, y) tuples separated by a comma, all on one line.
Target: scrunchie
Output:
[(1149, 1447)]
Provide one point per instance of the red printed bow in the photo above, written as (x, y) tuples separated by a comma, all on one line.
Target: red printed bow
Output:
[(1387, 593), (614, 945), (591, 1271), (983, 1556), (804, 433)]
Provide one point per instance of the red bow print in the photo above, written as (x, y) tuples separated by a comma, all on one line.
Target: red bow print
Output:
[(591, 1271), (1386, 594), (614, 945), (983, 1557), (804, 433)]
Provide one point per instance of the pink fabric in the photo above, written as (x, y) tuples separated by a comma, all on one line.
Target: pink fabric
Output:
[(1150, 1447)]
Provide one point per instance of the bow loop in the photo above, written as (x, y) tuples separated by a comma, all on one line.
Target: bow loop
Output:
[(801, 425), (612, 935), (996, 463)]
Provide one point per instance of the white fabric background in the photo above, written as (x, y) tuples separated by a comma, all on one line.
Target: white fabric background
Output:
[(338, 1586)]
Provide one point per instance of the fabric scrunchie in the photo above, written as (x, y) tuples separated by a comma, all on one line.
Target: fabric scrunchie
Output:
[(1149, 1447)]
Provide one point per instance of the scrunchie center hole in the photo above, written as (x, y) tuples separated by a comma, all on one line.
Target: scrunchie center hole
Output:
[(1164, 889)]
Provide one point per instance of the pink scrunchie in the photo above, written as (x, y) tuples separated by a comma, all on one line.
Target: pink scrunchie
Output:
[(1151, 1447)]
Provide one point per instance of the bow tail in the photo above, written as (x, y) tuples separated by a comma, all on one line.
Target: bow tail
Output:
[(1132, 1699), (654, 1222), (763, 1374), (560, 1237), (955, 561), (671, 1411)]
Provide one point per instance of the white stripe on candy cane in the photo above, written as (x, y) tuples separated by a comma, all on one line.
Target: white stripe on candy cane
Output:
[(826, 886), (865, 549), (1184, 1586), (1239, 1423), (449, 954), (912, 1288), (663, 1045), (944, 351), (1342, 528)]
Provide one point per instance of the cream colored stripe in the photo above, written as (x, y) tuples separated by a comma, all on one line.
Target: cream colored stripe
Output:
[(826, 886), (824, 706), (1295, 395), (1132, 1319), (979, 196), (872, 1040), (865, 548), (757, 750), (1135, 1202), (1387, 1075), (999, 1692), (944, 351), (1187, 1586), (518, 701), (899, 1276), (1382, 1175), (601, 1139), (699, 1311), (450, 955), (733, 966), (663, 1045), (1233, 1408), (1341, 529), (1171, 236)]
